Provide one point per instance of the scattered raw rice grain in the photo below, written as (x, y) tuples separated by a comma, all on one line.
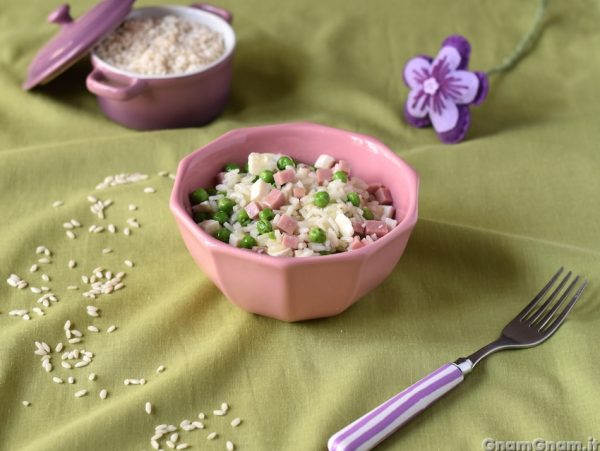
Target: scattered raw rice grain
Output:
[(33, 268), (174, 437), (127, 231), (58, 203), (81, 364), (85, 279), (76, 333), (35, 290), (18, 312), (119, 286), (236, 422), (172, 176), (224, 407), (57, 380), (72, 287), (44, 260), (92, 199), (198, 424), (132, 207), (45, 277), (126, 382), (68, 225), (26, 403), (149, 190), (201, 415), (75, 223), (129, 263), (103, 394), (112, 228), (107, 250), (111, 329), (93, 329), (170, 444), (154, 444), (148, 408), (67, 325), (46, 347), (38, 310), (219, 413), (182, 446), (70, 235), (212, 436), (72, 264), (230, 446), (160, 369), (163, 173), (26, 317), (81, 393), (66, 365), (74, 340), (92, 376)]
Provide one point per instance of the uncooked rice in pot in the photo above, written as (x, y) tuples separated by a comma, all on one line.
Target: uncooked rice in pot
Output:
[(161, 46)]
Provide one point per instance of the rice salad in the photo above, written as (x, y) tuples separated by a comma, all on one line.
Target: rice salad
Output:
[(284, 208)]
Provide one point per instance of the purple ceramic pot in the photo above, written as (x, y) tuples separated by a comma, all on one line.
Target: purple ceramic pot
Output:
[(153, 102)]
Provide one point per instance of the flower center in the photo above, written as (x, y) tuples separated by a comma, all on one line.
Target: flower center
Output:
[(430, 86)]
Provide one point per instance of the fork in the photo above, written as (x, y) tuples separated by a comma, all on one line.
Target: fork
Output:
[(529, 328)]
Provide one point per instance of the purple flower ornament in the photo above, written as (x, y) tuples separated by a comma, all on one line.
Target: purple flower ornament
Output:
[(442, 89)]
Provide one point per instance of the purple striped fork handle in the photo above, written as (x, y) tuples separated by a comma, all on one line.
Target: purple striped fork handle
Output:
[(372, 428)]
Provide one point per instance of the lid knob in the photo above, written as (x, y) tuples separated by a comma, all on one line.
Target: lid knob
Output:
[(61, 16)]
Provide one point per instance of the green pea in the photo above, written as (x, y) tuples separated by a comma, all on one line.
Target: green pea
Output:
[(247, 242), (340, 175), (284, 162), (266, 214), (231, 167), (243, 217), (354, 199), (368, 214), (272, 235), (200, 216), (221, 216), (325, 253), (197, 196), (317, 235), (223, 235), (322, 199), (267, 176), (225, 204), (211, 191), (264, 226)]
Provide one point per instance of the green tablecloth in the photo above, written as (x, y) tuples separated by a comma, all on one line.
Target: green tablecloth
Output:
[(498, 214)]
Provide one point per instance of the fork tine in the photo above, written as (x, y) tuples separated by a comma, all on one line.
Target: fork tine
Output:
[(535, 316), (539, 325), (540, 295), (560, 319)]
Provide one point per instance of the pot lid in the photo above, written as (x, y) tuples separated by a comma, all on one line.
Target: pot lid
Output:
[(75, 38)]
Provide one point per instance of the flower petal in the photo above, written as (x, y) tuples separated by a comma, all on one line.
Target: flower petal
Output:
[(443, 113), (460, 130), (417, 104), (416, 71), (447, 60), (461, 86), (462, 46)]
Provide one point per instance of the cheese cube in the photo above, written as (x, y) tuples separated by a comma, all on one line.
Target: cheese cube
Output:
[(259, 190), (324, 161), (258, 162)]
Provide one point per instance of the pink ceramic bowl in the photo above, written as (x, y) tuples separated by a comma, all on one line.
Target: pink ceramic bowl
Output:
[(290, 288), (153, 102)]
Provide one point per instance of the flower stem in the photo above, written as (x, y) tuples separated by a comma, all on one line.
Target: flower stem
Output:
[(523, 46)]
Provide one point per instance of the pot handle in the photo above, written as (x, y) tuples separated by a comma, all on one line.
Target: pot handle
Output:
[(95, 82), (224, 14)]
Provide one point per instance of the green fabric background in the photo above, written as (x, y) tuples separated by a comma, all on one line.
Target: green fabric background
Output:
[(498, 214)]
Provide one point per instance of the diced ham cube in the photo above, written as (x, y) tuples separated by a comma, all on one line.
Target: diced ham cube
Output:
[(373, 187), (202, 207), (324, 161), (253, 209), (259, 190), (290, 241), (383, 196), (359, 227), (287, 224), (355, 244), (274, 199), (283, 177), (210, 226), (299, 191), (378, 228), (323, 175)]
